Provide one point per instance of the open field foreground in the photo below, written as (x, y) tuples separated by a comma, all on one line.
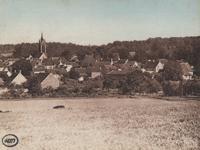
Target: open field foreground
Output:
[(102, 124)]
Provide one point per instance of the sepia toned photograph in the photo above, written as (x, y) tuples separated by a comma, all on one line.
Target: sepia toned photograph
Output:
[(99, 74)]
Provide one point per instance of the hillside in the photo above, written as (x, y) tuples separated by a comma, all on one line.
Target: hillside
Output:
[(187, 48)]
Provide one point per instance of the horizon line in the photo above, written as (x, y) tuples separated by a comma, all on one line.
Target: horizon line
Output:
[(162, 37)]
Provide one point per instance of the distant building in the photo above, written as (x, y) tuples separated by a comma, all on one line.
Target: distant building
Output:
[(96, 75), (30, 57), (187, 72), (74, 58), (39, 69), (3, 90), (161, 64), (19, 79), (132, 54), (7, 54), (81, 79), (1, 82), (51, 81), (149, 66), (49, 64), (11, 61), (95, 71), (43, 57), (9, 74), (68, 68), (42, 48)]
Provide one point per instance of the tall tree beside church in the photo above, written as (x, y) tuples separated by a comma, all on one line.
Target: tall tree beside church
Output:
[(22, 65)]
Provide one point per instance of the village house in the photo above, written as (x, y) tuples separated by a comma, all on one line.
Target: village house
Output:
[(116, 76), (161, 64), (81, 79), (95, 74), (95, 71), (62, 62), (48, 64), (67, 65), (55, 58), (108, 67), (43, 57), (68, 68), (186, 69), (7, 54), (3, 90), (149, 66), (19, 79), (1, 82), (11, 61), (30, 58), (51, 81), (9, 73), (2, 66), (39, 69), (137, 64), (127, 65), (132, 54), (74, 58), (82, 71)]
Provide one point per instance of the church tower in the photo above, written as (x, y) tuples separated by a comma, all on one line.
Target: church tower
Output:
[(42, 45)]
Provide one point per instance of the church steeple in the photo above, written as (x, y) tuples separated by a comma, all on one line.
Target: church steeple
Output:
[(41, 36), (42, 44)]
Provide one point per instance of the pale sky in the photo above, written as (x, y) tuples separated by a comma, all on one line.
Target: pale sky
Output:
[(97, 21)]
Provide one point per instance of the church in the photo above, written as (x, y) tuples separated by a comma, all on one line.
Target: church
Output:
[(42, 48)]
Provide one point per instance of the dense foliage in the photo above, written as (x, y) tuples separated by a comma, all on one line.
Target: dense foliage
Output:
[(187, 48)]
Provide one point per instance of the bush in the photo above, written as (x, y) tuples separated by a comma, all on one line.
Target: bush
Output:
[(33, 86), (138, 82), (171, 88), (192, 88)]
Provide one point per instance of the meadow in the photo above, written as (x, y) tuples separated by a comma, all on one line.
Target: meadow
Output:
[(102, 124)]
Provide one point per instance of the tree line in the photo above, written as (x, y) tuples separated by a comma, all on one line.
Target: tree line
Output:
[(174, 48)]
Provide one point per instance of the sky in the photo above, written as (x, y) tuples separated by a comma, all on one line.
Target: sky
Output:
[(96, 22)]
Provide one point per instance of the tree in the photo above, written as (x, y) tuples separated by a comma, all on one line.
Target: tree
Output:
[(107, 84), (25, 49), (172, 71), (73, 74), (22, 65), (196, 59), (33, 86), (139, 82), (66, 54)]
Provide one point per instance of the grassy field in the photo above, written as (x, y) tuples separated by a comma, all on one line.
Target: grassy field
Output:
[(102, 124)]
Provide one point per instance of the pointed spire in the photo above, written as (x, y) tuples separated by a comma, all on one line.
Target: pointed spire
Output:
[(42, 36)]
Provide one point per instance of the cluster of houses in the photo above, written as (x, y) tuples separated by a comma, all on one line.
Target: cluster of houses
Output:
[(50, 70)]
